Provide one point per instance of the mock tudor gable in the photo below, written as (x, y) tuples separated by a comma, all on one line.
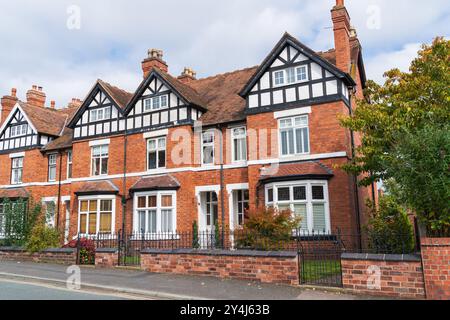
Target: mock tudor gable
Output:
[(102, 112), (293, 74), (162, 101)]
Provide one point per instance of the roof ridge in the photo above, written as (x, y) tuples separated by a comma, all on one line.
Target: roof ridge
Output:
[(113, 86), (227, 73)]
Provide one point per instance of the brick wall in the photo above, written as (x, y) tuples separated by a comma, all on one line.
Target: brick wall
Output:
[(400, 276), (436, 265), (106, 258), (267, 267), (57, 256)]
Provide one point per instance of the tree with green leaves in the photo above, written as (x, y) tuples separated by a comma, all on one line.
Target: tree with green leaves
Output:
[(403, 125)]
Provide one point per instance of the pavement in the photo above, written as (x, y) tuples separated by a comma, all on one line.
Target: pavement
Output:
[(137, 284)]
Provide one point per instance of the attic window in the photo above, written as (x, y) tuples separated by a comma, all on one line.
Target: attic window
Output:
[(290, 76), (100, 114), (156, 103), (19, 130)]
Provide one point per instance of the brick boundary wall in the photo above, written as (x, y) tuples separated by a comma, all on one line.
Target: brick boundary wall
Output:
[(266, 267), (106, 257), (57, 256), (436, 265), (401, 275)]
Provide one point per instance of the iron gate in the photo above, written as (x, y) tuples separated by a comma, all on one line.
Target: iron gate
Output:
[(320, 260), (130, 246)]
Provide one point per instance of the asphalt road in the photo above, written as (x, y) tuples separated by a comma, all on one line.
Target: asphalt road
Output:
[(12, 290)]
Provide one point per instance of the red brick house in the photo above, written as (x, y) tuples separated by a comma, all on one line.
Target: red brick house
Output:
[(182, 149)]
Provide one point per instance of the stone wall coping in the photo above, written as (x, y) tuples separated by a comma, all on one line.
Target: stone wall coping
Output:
[(12, 249), (232, 253), (381, 257), (106, 250)]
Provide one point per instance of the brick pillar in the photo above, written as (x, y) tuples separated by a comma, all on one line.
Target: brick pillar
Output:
[(436, 267), (106, 257)]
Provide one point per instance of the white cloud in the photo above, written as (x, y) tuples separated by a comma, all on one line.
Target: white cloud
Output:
[(210, 36), (377, 65)]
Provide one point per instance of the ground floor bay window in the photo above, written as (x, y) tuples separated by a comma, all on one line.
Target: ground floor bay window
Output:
[(155, 213), (96, 215), (307, 199)]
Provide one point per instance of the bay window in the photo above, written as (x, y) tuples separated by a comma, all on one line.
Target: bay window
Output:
[(294, 136), (306, 199), (239, 139), (155, 212), (100, 156), (96, 215), (156, 153)]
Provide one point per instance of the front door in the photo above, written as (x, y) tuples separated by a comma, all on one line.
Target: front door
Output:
[(209, 215)]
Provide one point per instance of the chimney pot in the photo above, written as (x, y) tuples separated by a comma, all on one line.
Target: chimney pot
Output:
[(154, 60), (339, 3), (36, 96), (13, 92), (52, 104)]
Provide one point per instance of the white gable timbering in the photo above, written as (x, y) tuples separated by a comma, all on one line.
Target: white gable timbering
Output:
[(100, 117), (159, 106), (18, 132), (294, 76)]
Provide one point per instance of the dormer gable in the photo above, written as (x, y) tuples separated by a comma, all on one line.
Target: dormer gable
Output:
[(163, 101), (293, 74), (101, 113)]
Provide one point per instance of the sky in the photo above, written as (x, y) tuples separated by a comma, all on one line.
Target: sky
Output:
[(65, 46)]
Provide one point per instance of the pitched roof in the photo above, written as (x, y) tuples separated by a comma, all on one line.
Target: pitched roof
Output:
[(302, 170), (45, 120), (221, 93), (14, 193), (156, 183), (60, 143), (120, 96), (97, 187)]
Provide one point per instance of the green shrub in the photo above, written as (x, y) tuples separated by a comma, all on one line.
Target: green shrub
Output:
[(389, 229), (42, 237), (267, 229)]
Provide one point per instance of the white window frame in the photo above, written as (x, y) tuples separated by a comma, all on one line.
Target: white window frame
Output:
[(309, 201), (16, 168), (100, 157), (234, 139), (159, 233), (286, 75), (294, 127), (69, 164), (155, 103), (105, 115), (157, 150), (97, 198), (45, 202), (52, 165), (208, 144), (19, 130)]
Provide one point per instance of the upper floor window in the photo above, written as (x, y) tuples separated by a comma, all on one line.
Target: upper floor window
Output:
[(156, 153), (239, 138), (17, 131), (69, 165), (156, 103), (294, 136), (100, 114), (100, 156), (208, 147), (16, 170), (52, 167), (290, 75)]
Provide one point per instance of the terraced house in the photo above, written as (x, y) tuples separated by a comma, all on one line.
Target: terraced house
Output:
[(181, 149)]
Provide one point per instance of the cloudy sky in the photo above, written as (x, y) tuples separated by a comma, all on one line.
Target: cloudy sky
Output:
[(44, 42)]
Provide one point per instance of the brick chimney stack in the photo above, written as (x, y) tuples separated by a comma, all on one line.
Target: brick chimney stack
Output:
[(7, 104), (342, 28), (36, 97), (154, 59), (75, 103), (188, 75)]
